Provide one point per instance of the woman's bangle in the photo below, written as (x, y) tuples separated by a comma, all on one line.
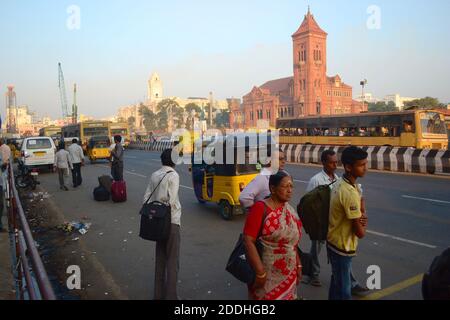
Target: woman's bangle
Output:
[(262, 276)]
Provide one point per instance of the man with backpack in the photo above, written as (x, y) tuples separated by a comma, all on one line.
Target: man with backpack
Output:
[(327, 177), (163, 187), (347, 222)]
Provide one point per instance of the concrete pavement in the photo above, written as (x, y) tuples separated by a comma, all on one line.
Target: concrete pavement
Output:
[(409, 219)]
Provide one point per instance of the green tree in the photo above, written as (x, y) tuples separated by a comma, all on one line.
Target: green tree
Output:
[(149, 118), (382, 107), (222, 120), (424, 103), (163, 115)]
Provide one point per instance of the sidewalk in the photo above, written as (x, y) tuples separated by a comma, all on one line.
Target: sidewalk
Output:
[(6, 278)]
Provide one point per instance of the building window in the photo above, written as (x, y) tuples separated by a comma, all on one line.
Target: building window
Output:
[(268, 114), (318, 107), (304, 84)]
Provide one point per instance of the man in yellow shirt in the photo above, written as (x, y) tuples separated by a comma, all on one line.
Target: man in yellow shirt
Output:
[(347, 222)]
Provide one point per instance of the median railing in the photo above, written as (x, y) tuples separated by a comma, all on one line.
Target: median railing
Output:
[(32, 281)]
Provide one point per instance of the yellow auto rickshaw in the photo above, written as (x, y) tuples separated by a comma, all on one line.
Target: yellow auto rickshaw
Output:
[(222, 183), (98, 148)]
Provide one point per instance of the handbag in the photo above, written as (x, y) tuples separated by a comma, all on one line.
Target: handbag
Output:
[(306, 261), (238, 264), (155, 219)]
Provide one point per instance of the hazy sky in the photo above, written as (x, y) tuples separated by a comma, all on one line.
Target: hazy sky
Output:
[(226, 47)]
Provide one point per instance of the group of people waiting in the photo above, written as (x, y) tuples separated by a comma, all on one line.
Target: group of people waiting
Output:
[(73, 159), (274, 223)]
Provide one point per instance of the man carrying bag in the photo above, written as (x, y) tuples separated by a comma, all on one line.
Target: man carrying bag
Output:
[(160, 199)]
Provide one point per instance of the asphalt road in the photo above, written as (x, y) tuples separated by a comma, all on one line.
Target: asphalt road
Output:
[(409, 219)]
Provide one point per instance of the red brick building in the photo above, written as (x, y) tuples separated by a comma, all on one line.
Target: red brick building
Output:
[(309, 92)]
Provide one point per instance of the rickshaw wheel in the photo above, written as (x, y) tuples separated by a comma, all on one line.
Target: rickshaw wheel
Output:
[(226, 210)]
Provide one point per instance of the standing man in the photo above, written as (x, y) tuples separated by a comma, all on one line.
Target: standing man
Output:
[(77, 160), (347, 223), (168, 251), (62, 163), (117, 159), (3, 174), (258, 188), (326, 177), (5, 153)]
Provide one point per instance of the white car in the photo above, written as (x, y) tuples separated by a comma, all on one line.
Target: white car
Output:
[(38, 152)]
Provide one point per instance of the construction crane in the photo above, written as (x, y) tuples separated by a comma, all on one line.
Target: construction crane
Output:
[(62, 92), (74, 106)]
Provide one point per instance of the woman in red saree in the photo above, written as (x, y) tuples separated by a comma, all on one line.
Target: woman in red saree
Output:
[(277, 226)]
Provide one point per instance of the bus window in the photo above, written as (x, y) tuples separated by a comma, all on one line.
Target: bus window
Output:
[(408, 126), (431, 123)]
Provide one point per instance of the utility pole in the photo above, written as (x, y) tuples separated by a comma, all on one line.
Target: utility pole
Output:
[(74, 106), (210, 116), (363, 84)]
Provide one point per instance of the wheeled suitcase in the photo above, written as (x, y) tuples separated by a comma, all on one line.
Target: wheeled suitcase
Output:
[(119, 191)]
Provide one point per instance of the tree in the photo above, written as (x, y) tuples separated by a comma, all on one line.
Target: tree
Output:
[(149, 118), (222, 120), (382, 107), (424, 103), (193, 111), (131, 123), (163, 114)]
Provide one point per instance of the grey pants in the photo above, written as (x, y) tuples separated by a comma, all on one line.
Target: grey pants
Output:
[(316, 248), (62, 174), (117, 170), (2, 200), (167, 266)]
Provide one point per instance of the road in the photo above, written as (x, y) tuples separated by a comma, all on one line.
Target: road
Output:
[(409, 219)]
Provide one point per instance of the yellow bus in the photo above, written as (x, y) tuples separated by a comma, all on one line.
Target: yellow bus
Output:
[(121, 129), (51, 131), (83, 131), (422, 129)]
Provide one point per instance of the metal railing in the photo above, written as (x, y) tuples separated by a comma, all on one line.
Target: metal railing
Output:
[(32, 280)]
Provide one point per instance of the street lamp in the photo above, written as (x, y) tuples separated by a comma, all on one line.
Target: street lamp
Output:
[(363, 84)]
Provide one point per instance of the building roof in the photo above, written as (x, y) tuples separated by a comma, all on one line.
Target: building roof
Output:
[(332, 80), (309, 24), (277, 86)]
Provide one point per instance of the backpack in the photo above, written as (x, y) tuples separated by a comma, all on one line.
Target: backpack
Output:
[(156, 218), (436, 282), (314, 212)]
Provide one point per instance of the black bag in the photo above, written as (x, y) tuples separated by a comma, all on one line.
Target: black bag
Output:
[(101, 194), (436, 282), (156, 219), (106, 182), (306, 261), (238, 264)]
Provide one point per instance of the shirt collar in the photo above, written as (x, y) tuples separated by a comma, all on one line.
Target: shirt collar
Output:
[(266, 172), (328, 177)]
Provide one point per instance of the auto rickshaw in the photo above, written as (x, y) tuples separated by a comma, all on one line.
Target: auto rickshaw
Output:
[(98, 148), (222, 183)]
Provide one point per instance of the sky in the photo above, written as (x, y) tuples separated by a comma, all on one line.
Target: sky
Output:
[(226, 47)]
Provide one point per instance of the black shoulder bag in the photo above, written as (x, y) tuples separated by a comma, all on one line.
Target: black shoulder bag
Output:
[(238, 264), (156, 218)]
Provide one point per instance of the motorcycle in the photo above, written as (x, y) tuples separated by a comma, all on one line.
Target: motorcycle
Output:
[(27, 177)]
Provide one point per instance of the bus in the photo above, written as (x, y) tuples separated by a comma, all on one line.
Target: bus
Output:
[(122, 130), (51, 131), (83, 131), (422, 129)]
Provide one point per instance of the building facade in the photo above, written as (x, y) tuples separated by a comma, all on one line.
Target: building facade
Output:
[(308, 92)]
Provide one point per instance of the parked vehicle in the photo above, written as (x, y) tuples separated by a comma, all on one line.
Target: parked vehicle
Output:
[(38, 152)]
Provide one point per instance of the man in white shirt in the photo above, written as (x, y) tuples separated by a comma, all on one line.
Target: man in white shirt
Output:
[(62, 164), (5, 152), (258, 188), (77, 160), (168, 251), (327, 176)]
